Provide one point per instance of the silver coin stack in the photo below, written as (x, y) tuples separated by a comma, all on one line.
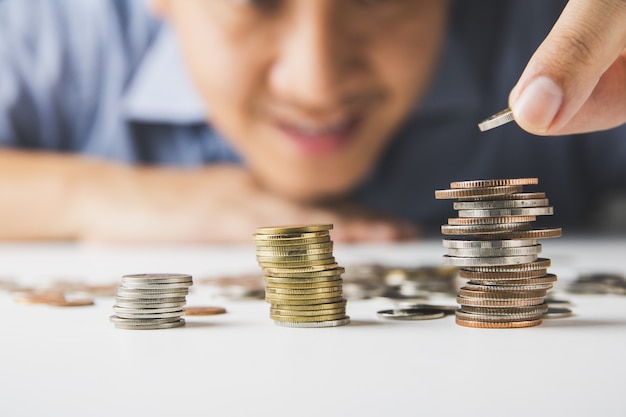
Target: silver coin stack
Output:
[(151, 301), (303, 282), (498, 252)]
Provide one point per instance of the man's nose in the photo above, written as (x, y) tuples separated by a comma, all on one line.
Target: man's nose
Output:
[(314, 62)]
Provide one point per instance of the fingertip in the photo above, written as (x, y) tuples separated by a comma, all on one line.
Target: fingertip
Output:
[(536, 106)]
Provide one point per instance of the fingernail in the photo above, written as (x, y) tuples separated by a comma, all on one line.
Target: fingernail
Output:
[(538, 104)]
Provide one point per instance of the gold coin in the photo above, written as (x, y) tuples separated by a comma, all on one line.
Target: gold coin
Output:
[(289, 303), (490, 220), (322, 274), (283, 230), (273, 297), (477, 192), (294, 284), (478, 229), (307, 313), (494, 183), (307, 319), (486, 325), (288, 254), (304, 291), (293, 259), (311, 307), (288, 243), (529, 234), (282, 270)]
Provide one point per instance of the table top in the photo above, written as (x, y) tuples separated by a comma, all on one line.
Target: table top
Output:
[(74, 362)]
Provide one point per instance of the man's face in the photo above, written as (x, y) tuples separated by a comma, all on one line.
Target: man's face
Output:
[(309, 92)]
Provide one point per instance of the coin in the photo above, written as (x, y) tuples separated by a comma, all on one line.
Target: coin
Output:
[(483, 244), (477, 192), (411, 314), (544, 279), (307, 319), (135, 310), (203, 311), (281, 230), (292, 252), (149, 325), (281, 270), (490, 252), (283, 302), (290, 274), (307, 313), (490, 220), (498, 119), (539, 263), (497, 295), (499, 318), (502, 275), (304, 260), (501, 204), (495, 325), (310, 307), (538, 309), (304, 291), (494, 183), (72, 303), (557, 313), (330, 323), (505, 229), (488, 261), (516, 212), (303, 284), (504, 302), (525, 234), (509, 287)]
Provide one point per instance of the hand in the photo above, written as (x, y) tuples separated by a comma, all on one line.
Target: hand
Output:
[(213, 204), (576, 81)]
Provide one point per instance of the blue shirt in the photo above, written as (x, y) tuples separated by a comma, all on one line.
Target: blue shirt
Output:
[(105, 78)]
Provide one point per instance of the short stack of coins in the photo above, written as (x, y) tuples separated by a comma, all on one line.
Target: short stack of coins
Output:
[(303, 282), (151, 301), (493, 242)]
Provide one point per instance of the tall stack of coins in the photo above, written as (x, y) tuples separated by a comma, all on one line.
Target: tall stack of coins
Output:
[(151, 301), (303, 282), (498, 252)]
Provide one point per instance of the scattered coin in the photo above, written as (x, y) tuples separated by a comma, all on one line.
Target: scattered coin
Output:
[(411, 314), (557, 313)]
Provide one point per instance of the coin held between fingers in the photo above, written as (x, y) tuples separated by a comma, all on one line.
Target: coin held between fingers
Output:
[(498, 119)]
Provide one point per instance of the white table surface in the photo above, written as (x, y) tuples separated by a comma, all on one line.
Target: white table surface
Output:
[(74, 362)]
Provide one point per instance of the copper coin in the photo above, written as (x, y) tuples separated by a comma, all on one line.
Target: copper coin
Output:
[(204, 311), (494, 183), (71, 303), (33, 297), (489, 325)]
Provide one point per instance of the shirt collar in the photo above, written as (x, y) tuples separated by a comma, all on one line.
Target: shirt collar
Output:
[(161, 90)]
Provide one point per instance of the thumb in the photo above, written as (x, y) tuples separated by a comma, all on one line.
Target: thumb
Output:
[(576, 80)]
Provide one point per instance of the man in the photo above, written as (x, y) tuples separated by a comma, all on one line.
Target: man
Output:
[(297, 111)]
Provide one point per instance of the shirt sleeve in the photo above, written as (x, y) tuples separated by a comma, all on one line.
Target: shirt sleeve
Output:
[(63, 66)]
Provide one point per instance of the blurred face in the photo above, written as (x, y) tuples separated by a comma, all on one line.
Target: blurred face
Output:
[(309, 92)]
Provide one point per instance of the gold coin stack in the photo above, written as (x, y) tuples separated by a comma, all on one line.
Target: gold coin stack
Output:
[(493, 243), (303, 282)]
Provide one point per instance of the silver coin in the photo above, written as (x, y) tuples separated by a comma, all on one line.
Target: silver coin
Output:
[(557, 303), (484, 244), (557, 313), (488, 261), (150, 295), (411, 314), (150, 326), (501, 204), (477, 229), (501, 318), (158, 277), (149, 303), (138, 285), (148, 315), (504, 287), (529, 211), (135, 310), (140, 322), (319, 324), (491, 252), (498, 119)]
